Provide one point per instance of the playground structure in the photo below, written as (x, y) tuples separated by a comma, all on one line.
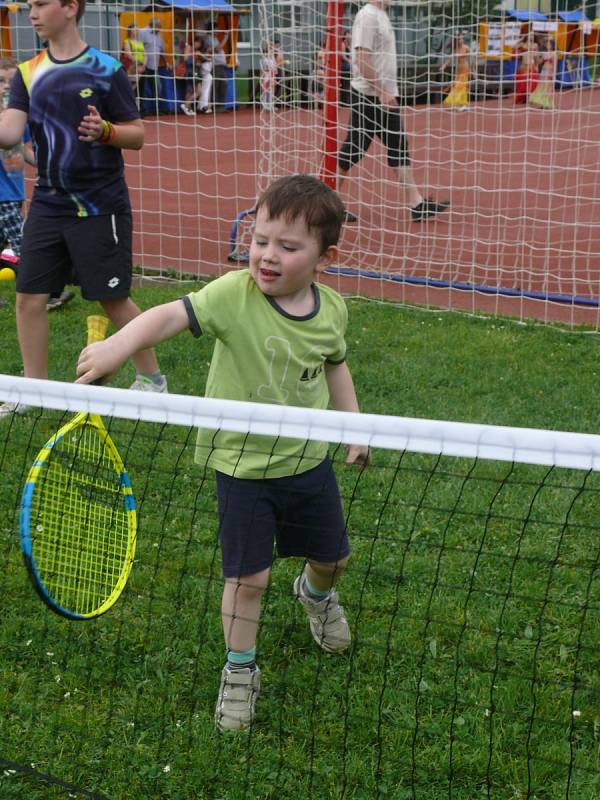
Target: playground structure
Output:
[(180, 21), (575, 35)]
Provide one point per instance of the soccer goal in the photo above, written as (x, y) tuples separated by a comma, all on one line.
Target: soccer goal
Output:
[(520, 235), (520, 177)]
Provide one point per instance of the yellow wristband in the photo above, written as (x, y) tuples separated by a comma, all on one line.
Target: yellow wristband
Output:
[(107, 129)]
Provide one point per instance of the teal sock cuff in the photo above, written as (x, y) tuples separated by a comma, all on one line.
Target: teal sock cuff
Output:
[(155, 377), (241, 656), (312, 591)]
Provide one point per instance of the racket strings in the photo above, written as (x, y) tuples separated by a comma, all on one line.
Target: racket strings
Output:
[(79, 524)]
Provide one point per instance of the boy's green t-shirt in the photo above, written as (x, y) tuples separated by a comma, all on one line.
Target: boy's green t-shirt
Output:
[(264, 355)]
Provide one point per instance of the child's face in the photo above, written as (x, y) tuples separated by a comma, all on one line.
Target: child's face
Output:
[(285, 257), (6, 76), (50, 17)]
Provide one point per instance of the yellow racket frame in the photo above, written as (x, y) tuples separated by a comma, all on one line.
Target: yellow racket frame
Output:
[(79, 564), (78, 527)]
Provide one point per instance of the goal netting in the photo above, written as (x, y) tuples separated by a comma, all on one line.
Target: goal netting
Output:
[(472, 595), (520, 235), (520, 232)]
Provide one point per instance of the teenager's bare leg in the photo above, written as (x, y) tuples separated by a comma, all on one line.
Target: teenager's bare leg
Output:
[(120, 312), (240, 609), (32, 329)]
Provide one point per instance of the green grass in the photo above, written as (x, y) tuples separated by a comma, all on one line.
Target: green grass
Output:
[(473, 597)]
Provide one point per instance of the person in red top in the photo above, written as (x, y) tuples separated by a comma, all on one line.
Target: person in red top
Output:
[(527, 76)]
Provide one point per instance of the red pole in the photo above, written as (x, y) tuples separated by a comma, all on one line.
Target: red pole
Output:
[(331, 91)]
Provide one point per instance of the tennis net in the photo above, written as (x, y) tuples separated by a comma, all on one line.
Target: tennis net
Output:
[(472, 594)]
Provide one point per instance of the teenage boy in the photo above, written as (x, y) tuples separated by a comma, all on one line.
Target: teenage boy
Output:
[(279, 339), (81, 113)]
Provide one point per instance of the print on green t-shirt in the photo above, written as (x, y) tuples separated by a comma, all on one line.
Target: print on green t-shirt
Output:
[(264, 355)]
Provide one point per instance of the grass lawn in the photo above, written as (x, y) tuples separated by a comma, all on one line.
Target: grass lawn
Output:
[(473, 597)]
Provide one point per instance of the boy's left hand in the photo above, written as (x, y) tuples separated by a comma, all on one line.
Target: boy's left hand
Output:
[(90, 128), (358, 454)]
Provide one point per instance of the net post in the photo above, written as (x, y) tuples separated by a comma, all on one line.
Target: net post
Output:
[(333, 51)]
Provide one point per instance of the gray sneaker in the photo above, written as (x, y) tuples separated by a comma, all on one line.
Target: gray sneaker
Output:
[(328, 623), (60, 301), (143, 384), (8, 409), (237, 697)]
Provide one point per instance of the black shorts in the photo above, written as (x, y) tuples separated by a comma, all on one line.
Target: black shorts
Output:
[(367, 120), (94, 252), (302, 514)]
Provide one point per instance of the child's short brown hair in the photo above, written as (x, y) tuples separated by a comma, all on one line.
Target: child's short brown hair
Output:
[(304, 196), (80, 7), (6, 62)]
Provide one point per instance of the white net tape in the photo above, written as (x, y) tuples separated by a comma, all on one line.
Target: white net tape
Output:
[(524, 445)]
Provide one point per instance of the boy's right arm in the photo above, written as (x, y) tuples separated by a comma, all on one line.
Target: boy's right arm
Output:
[(101, 359), (12, 127)]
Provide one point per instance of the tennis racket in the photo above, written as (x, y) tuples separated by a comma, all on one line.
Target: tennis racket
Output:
[(78, 520)]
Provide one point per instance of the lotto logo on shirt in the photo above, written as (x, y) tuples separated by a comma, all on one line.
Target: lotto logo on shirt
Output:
[(311, 374)]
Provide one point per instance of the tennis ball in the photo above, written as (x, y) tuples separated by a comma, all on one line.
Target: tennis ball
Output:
[(7, 274)]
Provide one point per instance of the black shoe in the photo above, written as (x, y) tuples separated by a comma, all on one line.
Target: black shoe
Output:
[(428, 208), (350, 217)]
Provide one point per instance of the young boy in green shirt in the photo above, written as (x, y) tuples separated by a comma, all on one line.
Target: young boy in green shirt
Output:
[(279, 339)]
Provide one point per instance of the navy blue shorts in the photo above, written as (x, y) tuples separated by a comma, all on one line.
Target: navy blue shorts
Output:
[(301, 514)]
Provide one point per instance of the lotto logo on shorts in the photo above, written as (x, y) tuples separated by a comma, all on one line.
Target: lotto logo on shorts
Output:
[(86, 93), (113, 282)]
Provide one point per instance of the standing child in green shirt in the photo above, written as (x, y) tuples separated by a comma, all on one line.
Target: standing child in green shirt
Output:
[(279, 339)]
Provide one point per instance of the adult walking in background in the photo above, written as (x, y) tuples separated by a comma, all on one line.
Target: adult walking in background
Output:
[(375, 106), (346, 68), (154, 48)]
